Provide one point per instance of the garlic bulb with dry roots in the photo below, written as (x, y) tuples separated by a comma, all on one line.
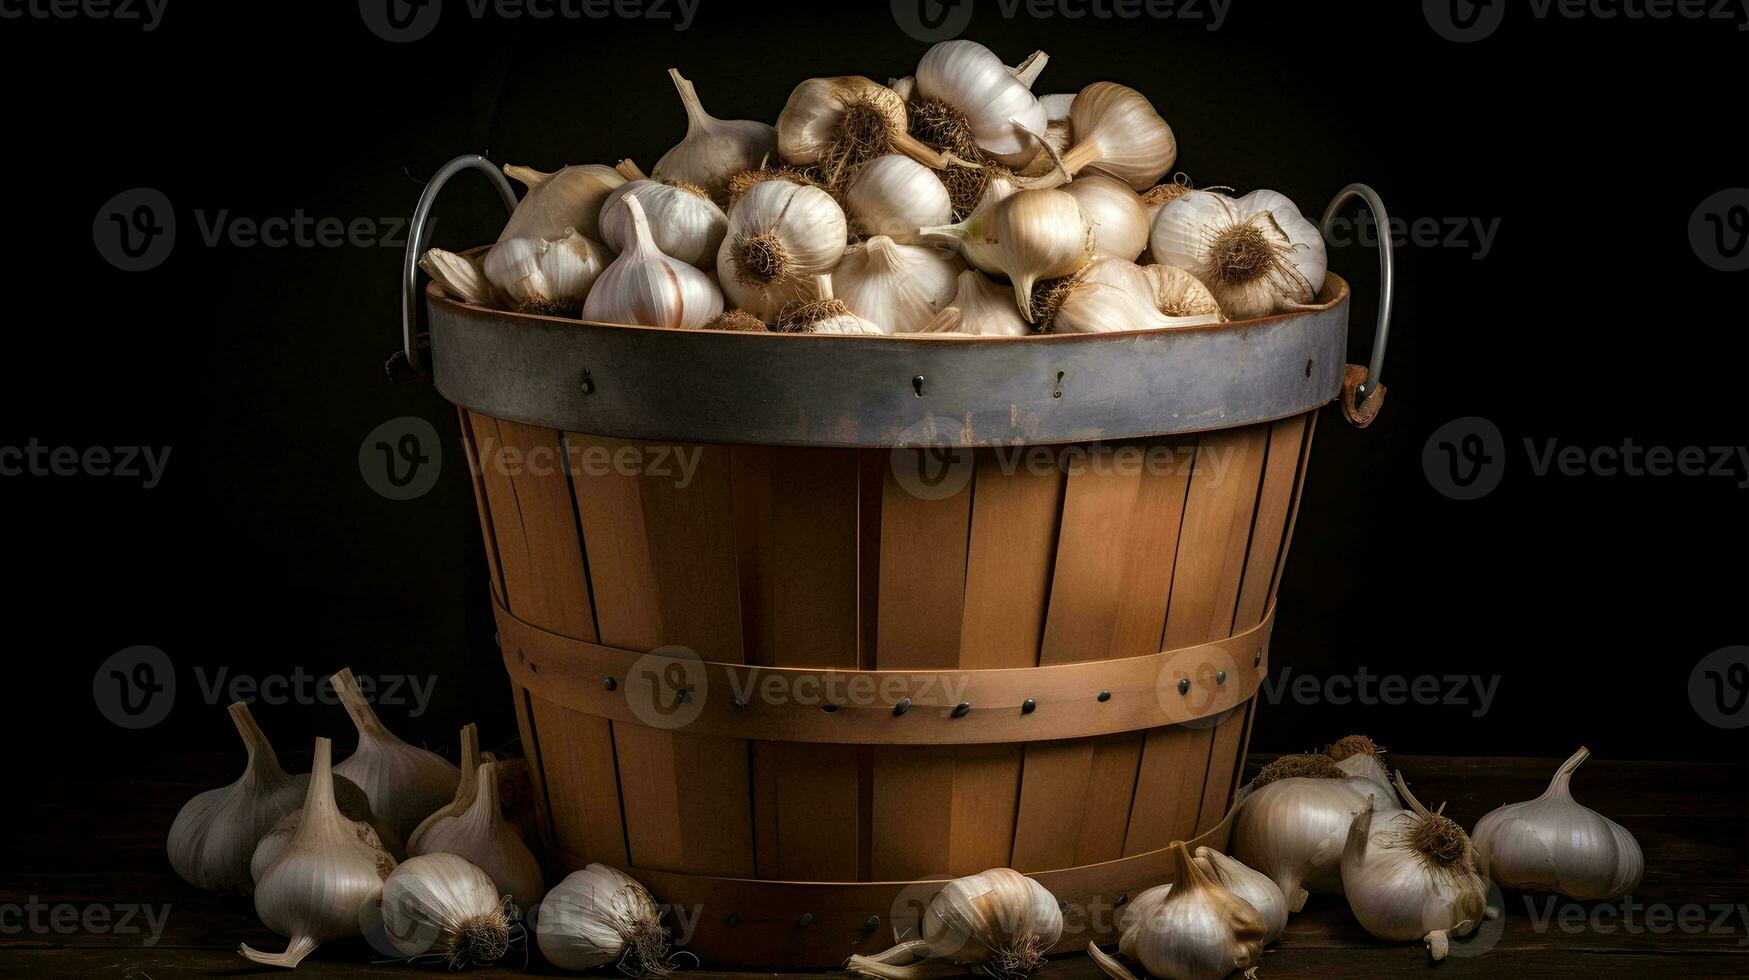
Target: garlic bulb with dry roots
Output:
[(548, 277), (1120, 220), (684, 222), (598, 916), (404, 783), (355, 812), (997, 108), (480, 834), (1554, 844), (837, 124), (979, 308), (1117, 132), (1178, 293), (1413, 877), (1027, 236), (1292, 821), (442, 907), (897, 287), (1256, 254), (712, 148), (465, 788), (1359, 756), (557, 207), (214, 834), (1199, 930), (999, 921), (1109, 295), (824, 313), (463, 278), (780, 236), (646, 287), (895, 196), (321, 884)]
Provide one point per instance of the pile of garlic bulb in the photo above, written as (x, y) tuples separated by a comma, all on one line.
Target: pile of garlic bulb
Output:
[(925, 202)]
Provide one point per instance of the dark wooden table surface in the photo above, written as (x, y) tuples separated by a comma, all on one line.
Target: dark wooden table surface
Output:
[(92, 848)]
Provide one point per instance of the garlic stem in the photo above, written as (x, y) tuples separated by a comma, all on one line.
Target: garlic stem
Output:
[(263, 761), (526, 176), (1106, 962), (872, 967), (357, 707), (295, 951), (696, 117), (629, 169), (1028, 71)]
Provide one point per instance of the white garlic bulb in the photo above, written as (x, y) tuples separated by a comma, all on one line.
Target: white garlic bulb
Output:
[(1359, 756), (840, 123), (712, 148), (980, 308), (1027, 236), (463, 278), (897, 287), (1554, 844), (465, 787), (999, 107), (1256, 254), (1292, 821), (214, 834), (404, 783), (547, 277), (598, 916), (780, 236), (1254, 887), (645, 287), (1109, 295), (439, 905), (1414, 877), (895, 196), (1120, 220), (355, 813), (1178, 293), (1199, 930), (684, 222), (998, 920), (824, 313), (326, 878), (1117, 132), (555, 202), (481, 835)]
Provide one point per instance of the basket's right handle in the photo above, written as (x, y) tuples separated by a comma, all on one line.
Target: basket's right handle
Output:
[(406, 364), (1363, 393)]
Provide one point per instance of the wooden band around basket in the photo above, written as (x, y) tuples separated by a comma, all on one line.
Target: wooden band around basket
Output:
[(791, 704), (818, 924)]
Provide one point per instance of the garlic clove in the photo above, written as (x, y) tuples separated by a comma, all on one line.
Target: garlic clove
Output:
[(1179, 294), (214, 834), (899, 288), (1028, 236), (684, 222), (462, 278), (895, 195), (712, 148), (981, 308), (1553, 843), (1119, 218), (1118, 132), (644, 286)]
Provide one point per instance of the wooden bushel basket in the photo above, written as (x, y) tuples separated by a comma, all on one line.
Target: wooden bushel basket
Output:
[(941, 606)]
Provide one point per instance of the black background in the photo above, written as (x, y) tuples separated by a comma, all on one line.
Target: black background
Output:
[(264, 551)]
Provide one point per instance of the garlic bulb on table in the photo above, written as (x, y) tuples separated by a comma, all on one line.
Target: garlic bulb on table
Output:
[(998, 108), (1109, 295), (999, 921), (897, 287), (355, 813), (1199, 930), (1178, 293), (780, 236), (214, 834), (598, 916), (980, 308), (1292, 822), (712, 148), (1256, 254), (838, 124), (1117, 132), (1254, 887), (329, 874), (684, 222), (404, 783), (1359, 756), (549, 277), (1027, 236), (439, 905), (1120, 220), (465, 788), (1414, 877), (1555, 844), (824, 313), (646, 287), (463, 278), (895, 196), (480, 834)]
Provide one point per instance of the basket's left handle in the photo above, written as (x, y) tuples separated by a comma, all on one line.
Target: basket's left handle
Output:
[(406, 365), (1363, 394)]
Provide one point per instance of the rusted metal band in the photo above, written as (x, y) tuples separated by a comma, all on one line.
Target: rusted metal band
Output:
[(673, 689), (819, 924)]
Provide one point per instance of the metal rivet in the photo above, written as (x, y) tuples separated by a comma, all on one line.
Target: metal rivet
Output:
[(733, 920), (1220, 677), (871, 923), (1121, 899), (1104, 696), (903, 706), (960, 710), (805, 921), (739, 701), (683, 696), (917, 385), (533, 668), (610, 683), (519, 657), (1257, 657), (1184, 685), (1062, 905), (1308, 369), (588, 384), (829, 708), (1028, 706)]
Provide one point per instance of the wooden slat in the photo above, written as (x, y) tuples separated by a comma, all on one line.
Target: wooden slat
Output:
[(1008, 562), (1205, 593), (576, 753), (494, 576), (536, 775)]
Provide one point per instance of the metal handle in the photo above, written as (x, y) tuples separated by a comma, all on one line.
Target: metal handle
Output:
[(416, 244), (1382, 335)]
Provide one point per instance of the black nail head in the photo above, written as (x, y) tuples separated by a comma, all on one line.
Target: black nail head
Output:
[(1121, 899), (805, 921), (1184, 685), (917, 385), (903, 706), (683, 696), (1028, 706), (1104, 696), (829, 708), (588, 384), (960, 710), (871, 923), (609, 683), (733, 920), (1257, 658), (739, 701), (1220, 677)]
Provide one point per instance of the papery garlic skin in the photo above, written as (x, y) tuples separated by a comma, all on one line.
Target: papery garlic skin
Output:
[(570, 198), (895, 196), (1555, 844), (1120, 220), (981, 308), (547, 277), (684, 223), (1118, 132), (214, 834), (897, 287), (440, 904), (1412, 877), (465, 787), (1256, 254), (404, 783), (780, 236), (1178, 293), (480, 835), (1028, 236), (462, 278), (998, 106), (1199, 930), (713, 148), (1359, 757), (1112, 295), (646, 287), (598, 916), (1293, 829), (1253, 886)]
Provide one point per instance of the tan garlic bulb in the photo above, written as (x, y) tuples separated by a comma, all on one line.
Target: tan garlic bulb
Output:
[(1109, 295), (1178, 293), (1199, 930), (1027, 236), (999, 921), (646, 287), (684, 222), (780, 236), (1291, 822), (1359, 756), (1256, 254), (895, 196), (1555, 844), (824, 313), (480, 834), (979, 308), (214, 834), (547, 277), (463, 278), (1120, 220), (1254, 887), (404, 783), (326, 878), (837, 124), (712, 148), (465, 788), (570, 198), (1117, 132), (897, 287), (354, 809), (441, 906), (998, 107)]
